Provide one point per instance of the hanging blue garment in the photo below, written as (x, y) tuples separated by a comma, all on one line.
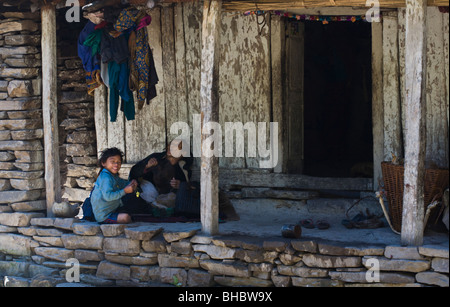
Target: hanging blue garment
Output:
[(118, 85), (90, 62)]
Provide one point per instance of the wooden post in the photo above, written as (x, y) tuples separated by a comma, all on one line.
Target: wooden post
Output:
[(50, 107), (415, 71), (377, 102), (209, 100)]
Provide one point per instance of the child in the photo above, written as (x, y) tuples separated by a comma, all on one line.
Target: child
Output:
[(109, 189)]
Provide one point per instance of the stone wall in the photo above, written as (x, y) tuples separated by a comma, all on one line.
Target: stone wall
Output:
[(21, 136), (78, 151), (35, 251)]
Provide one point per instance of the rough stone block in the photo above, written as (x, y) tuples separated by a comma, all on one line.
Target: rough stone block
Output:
[(360, 277), (179, 235), (142, 232), (29, 206), (121, 245), (440, 265), (221, 268), (173, 275), (403, 265), (112, 230), (16, 245), (16, 26), (86, 229), (199, 278), (165, 260), (7, 197), (324, 261), (304, 246), (82, 242), (28, 184), (433, 278), (114, 271), (216, 252), (402, 252), (55, 253), (18, 219)]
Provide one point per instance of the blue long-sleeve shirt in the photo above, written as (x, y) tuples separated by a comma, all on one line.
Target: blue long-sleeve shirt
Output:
[(107, 194)]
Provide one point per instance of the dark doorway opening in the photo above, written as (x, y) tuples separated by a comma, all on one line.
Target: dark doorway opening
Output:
[(338, 100)]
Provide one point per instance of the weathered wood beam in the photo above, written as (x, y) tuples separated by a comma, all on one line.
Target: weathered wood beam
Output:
[(209, 100), (50, 107), (245, 5), (415, 71)]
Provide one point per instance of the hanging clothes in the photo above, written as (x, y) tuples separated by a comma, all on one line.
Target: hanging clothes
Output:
[(119, 86), (114, 47), (143, 77), (91, 63)]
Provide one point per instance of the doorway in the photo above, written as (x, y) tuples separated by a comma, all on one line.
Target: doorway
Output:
[(337, 106)]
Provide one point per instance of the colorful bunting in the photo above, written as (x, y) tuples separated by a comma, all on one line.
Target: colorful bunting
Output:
[(323, 19)]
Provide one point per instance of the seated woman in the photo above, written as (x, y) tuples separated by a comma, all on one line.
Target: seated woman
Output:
[(167, 172)]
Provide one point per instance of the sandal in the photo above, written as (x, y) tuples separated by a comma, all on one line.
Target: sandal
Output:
[(308, 223), (322, 224)]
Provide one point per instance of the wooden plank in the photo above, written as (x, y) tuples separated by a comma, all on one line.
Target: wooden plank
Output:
[(277, 44), (180, 64), (230, 88), (436, 111), (209, 99), (294, 112), (277, 194), (50, 107), (445, 30), (377, 102), (116, 130), (415, 69), (153, 124), (147, 133), (401, 64), (169, 71), (192, 19), (264, 178), (255, 93), (391, 94), (101, 118)]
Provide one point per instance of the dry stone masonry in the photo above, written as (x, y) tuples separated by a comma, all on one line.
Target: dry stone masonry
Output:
[(35, 251), (21, 135)]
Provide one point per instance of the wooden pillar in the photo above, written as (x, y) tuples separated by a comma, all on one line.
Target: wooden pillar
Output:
[(209, 100), (377, 102), (415, 117), (50, 107)]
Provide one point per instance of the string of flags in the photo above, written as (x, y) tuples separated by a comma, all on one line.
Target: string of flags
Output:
[(304, 17)]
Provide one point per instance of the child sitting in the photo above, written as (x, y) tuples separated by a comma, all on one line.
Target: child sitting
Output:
[(114, 198)]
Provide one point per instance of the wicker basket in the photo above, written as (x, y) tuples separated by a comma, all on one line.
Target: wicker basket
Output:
[(436, 181)]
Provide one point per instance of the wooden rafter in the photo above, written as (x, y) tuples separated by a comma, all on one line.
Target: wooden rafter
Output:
[(246, 5)]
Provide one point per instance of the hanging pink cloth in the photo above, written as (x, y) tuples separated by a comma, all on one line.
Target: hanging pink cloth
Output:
[(144, 22)]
